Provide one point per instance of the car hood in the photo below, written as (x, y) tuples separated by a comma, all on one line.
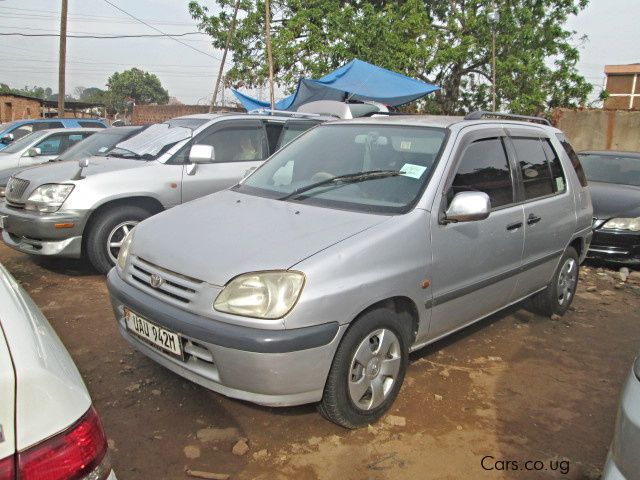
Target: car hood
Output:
[(57, 172), (614, 200), (220, 236)]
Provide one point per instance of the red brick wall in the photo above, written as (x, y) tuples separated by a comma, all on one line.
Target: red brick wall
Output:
[(146, 114), (17, 108)]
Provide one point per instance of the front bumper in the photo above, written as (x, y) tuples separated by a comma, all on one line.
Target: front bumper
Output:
[(268, 367), (36, 233), (624, 461), (615, 246)]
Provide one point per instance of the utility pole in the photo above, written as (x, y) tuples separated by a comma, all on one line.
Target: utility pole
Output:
[(494, 18), (63, 58), (267, 28), (232, 29)]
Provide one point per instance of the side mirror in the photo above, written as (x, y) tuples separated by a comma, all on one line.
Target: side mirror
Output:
[(202, 154), (8, 138), (34, 152), (83, 162), (468, 207)]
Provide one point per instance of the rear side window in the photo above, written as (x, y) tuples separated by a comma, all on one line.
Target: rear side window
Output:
[(46, 125), (575, 161), (534, 166), (88, 124), (557, 174), (484, 167)]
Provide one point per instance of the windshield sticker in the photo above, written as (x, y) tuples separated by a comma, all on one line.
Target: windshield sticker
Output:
[(411, 170), (103, 149), (405, 145)]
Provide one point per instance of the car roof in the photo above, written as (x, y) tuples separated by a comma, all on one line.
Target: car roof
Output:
[(610, 153), (71, 130), (261, 116)]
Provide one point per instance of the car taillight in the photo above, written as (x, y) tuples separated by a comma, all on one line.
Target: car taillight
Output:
[(73, 454), (7, 468)]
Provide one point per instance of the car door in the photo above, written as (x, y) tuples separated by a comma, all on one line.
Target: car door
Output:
[(7, 406), (549, 208), (475, 264), (239, 146)]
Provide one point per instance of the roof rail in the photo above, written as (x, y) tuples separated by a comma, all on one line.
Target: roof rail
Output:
[(481, 114), (283, 112)]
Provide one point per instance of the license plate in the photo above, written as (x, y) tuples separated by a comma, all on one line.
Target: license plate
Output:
[(153, 334), (3, 222)]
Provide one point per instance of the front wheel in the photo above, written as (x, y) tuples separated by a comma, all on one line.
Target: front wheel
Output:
[(107, 232), (558, 295), (368, 369)]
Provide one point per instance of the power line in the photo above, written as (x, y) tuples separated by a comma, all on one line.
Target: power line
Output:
[(160, 31), (107, 37)]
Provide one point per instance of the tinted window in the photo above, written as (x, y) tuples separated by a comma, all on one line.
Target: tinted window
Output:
[(536, 173), (236, 144), (23, 143), (575, 161), (22, 130), (557, 174), (293, 130), (484, 168), (273, 133), (88, 124), (59, 142), (46, 125), (620, 169)]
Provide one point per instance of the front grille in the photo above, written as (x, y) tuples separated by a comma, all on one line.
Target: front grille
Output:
[(176, 286), (15, 189)]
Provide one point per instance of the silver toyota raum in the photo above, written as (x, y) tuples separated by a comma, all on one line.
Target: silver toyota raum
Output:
[(360, 241)]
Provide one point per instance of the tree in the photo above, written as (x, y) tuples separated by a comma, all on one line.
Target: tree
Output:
[(143, 87), (446, 42), (92, 95)]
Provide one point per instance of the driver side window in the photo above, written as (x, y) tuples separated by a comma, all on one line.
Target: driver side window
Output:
[(485, 168)]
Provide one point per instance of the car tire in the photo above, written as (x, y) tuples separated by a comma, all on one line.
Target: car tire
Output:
[(380, 334), (557, 297), (109, 228)]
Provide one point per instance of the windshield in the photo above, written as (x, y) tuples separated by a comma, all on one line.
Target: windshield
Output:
[(620, 169), (374, 168), (98, 144), (24, 142), (151, 142)]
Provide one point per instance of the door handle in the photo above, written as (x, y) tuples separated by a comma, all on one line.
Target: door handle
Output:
[(533, 219), (514, 226)]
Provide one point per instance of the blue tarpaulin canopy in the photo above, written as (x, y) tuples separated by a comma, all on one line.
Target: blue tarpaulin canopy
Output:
[(357, 80)]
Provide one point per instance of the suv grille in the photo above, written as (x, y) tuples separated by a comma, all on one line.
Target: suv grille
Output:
[(15, 189), (171, 284)]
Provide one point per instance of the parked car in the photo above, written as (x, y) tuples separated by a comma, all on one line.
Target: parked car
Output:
[(48, 426), (61, 210), (360, 241), (623, 461), (99, 144), (12, 131), (40, 147), (614, 181)]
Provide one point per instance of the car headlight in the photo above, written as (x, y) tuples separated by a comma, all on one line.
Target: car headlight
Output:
[(632, 224), (123, 254), (268, 295), (636, 368), (48, 198), (3, 189)]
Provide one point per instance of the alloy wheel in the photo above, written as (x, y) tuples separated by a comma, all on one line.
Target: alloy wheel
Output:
[(567, 281), (116, 237)]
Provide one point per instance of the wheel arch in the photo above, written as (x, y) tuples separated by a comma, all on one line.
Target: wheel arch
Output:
[(149, 203), (403, 306)]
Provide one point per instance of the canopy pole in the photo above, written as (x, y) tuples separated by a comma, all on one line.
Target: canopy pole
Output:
[(267, 28)]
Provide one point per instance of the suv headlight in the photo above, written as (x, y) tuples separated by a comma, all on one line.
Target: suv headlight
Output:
[(48, 198), (123, 254), (636, 368), (3, 189), (267, 295), (632, 224)]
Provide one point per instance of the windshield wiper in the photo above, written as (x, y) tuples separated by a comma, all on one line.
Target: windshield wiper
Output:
[(344, 180), (124, 154)]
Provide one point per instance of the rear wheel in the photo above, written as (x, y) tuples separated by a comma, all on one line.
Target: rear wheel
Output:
[(107, 232), (558, 295), (367, 370)]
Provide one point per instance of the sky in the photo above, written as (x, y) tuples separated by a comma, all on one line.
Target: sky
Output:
[(189, 75)]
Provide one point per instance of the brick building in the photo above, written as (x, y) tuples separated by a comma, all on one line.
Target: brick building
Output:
[(18, 107), (623, 85), (147, 114)]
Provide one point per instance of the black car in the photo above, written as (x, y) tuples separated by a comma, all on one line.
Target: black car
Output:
[(614, 181)]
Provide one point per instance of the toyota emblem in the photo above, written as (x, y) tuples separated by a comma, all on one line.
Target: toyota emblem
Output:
[(156, 280)]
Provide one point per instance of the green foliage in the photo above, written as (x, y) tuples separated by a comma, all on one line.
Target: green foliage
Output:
[(446, 42), (35, 92), (143, 87)]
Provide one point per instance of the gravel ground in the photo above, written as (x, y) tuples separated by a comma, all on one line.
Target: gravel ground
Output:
[(512, 389)]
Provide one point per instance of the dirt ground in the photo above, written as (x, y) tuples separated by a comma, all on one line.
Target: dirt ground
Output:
[(514, 388)]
